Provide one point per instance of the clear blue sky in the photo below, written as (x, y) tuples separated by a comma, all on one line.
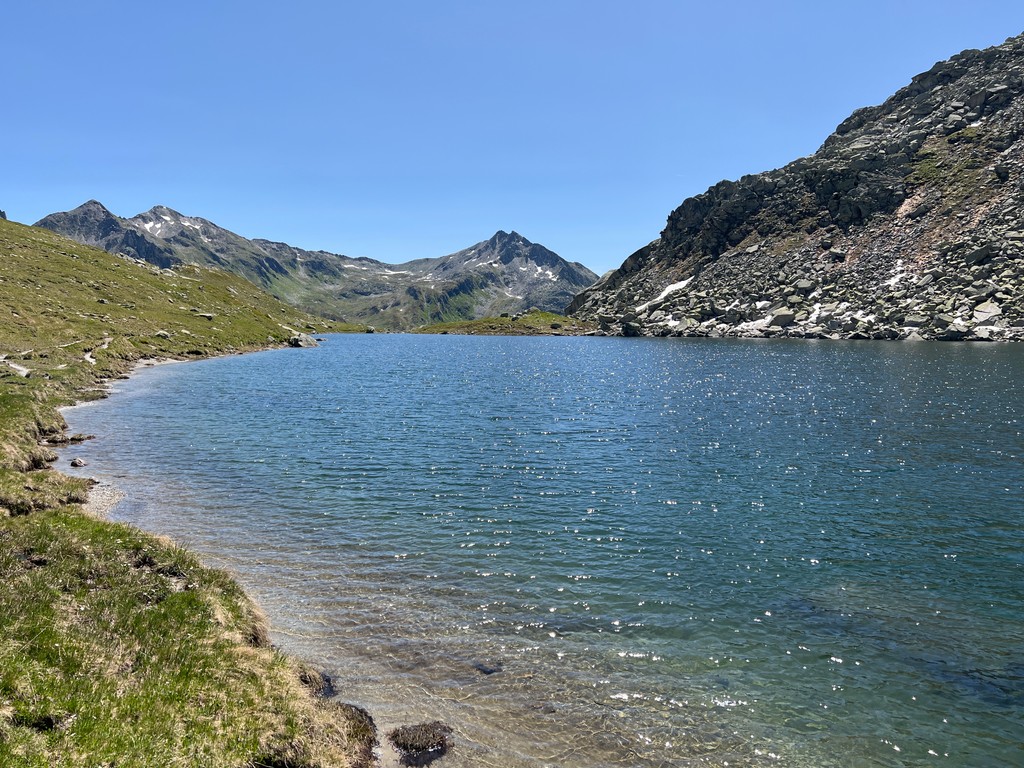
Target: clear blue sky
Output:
[(400, 130)]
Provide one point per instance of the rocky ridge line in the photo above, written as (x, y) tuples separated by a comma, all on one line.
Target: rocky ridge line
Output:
[(506, 273), (908, 223)]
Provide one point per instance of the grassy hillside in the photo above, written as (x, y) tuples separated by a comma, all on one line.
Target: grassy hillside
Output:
[(535, 323), (117, 648)]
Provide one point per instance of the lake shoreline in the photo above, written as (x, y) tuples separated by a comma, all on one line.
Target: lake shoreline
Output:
[(322, 726), (102, 499), (414, 538), (389, 635)]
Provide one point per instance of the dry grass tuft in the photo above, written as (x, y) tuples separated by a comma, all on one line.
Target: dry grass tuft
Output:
[(361, 733), (315, 681), (257, 629)]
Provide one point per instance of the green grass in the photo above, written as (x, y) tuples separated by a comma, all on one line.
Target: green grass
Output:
[(530, 324), (59, 300), (117, 648)]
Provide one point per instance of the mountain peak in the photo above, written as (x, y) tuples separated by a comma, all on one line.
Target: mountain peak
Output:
[(161, 213), (163, 210), (89, 223), (501, 237), (91, 207), (506, 273)]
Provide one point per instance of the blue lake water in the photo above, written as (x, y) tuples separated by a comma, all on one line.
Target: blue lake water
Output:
[(615, 552)]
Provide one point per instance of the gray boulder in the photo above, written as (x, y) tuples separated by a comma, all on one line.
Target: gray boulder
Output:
[(782, 318), (302, 340), (987, 311)]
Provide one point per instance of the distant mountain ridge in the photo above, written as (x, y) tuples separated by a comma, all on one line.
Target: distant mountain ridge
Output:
[(506, 273), (907, 223)]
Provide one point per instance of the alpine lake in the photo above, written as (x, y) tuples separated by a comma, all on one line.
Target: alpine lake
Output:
[(614, 552)]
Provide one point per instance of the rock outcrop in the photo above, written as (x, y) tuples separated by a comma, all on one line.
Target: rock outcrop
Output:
[(92, 224), (302, 340), (908, 223), (507, 273)]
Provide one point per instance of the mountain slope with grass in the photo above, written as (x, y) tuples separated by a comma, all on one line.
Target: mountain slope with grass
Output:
[(908, 223), (535, 323), (505, 273), (117, 648)]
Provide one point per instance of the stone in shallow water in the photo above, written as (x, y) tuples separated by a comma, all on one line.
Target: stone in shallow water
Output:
[(421, 744), (302, 340)]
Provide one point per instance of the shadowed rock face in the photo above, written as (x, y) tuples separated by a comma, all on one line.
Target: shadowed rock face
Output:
[(507, 273), (907, 223), (92, 224)]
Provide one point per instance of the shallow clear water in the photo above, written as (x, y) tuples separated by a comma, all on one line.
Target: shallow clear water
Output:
[(598, 552)]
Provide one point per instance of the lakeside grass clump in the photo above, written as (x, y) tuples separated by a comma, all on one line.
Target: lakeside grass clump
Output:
[(421, 744), (117, 647), (533, 323)]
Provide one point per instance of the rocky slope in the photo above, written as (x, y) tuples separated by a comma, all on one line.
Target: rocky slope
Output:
[(907, 223), (504, 274)]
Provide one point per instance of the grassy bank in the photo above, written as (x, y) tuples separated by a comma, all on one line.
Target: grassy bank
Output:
[(117, 648), (534, 323)]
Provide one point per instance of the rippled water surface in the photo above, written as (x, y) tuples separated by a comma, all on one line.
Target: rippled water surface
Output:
[(615, 552)]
